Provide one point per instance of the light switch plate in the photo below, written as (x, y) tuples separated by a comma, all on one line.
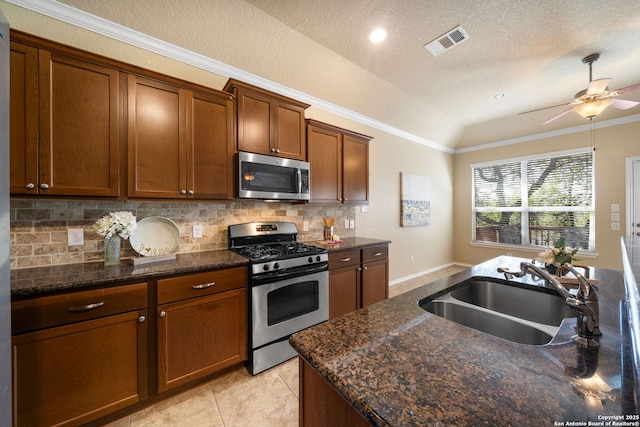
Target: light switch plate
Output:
[(352, 224), (346, 223), (197, 231), (615, 207), (615, 216), (615, 226)]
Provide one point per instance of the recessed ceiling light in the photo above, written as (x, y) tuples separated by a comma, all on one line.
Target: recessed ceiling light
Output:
[(377, 35), (499, 95)]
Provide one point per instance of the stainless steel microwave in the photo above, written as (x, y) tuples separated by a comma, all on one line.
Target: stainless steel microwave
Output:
[(272, 178)]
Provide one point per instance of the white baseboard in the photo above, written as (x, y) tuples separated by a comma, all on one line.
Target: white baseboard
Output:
[(422, 273)]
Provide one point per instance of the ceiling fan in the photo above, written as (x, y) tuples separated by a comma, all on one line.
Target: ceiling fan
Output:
[(594, 99)]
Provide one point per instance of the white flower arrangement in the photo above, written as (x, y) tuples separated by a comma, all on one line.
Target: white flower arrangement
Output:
[(119, 224), (558, 255)]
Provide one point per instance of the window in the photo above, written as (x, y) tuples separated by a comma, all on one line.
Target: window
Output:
[(534, 201)]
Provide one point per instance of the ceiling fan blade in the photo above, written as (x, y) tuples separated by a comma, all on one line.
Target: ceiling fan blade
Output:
[(597, 86), (623, 104), (557, 116), (545, 108), (626, 89)]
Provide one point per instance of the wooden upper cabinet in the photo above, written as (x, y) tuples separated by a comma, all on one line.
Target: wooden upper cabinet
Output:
[(355, 170), (180, 142), (23, 119), (64, 125), (268, 123), (339, 162), (324, 151)]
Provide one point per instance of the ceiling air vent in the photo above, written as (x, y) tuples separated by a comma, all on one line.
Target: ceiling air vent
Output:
[(447, 41)]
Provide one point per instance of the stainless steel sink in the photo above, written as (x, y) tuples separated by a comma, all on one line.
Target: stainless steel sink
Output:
[(512, 313), (488, 322), (535, 306)]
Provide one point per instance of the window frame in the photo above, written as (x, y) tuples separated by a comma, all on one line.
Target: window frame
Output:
[(525, 209)]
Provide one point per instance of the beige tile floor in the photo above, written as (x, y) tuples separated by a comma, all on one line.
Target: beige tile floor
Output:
[(238, 399)]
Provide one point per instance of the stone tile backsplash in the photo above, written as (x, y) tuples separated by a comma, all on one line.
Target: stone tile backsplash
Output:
[(38, 231)]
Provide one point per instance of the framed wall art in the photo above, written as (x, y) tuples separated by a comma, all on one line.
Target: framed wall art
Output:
[(415, 210)]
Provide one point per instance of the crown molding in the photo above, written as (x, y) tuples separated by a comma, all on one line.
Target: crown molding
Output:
[(551, 134), (96, 24)]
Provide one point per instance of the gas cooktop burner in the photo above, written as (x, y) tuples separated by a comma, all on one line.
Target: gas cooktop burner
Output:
[(283, 250)]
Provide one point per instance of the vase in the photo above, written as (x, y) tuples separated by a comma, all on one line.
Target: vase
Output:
[(551, 268), (112, 251)]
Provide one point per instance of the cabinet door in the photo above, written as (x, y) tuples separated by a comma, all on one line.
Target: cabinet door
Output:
[(157, 159), (200, 336), (289, 135), (79, 127), (24, 119), (73, 374), (344, 290), (255, 122), (209, 147), (355, 166), (375, 282), (324, 150)]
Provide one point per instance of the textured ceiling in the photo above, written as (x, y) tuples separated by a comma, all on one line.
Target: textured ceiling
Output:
[(530, 50)]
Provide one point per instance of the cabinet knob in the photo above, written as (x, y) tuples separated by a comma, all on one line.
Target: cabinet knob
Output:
[(277, 150), (346, 200), (183, 192), (141, 319), (273, 150), (365, 268), (30, 186), (359, 268), (163, 313), (44, 186), (191, 192)]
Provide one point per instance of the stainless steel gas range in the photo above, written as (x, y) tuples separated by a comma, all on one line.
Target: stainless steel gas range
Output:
[(289, 288)]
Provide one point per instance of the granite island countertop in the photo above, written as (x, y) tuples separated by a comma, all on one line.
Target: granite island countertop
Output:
[(399, 365), (349, 243)]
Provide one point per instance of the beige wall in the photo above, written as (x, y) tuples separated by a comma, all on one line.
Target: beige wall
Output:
[(613, 145)]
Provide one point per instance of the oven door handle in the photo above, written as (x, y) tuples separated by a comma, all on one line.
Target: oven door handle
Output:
[(277, 275)]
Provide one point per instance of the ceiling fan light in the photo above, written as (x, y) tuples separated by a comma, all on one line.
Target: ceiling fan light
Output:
[(589, 110)]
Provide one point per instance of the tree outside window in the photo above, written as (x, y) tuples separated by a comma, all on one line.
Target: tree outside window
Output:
[(534, 201)]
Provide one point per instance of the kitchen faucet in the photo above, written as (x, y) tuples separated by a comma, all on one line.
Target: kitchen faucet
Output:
[(585, 302)]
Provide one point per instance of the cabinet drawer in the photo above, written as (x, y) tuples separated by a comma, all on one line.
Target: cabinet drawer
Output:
[(195, 285), (344, 258), (375, 253), (45, 312)]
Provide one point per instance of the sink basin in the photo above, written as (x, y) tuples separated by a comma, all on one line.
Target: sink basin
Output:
[(488, 322), (527, 304), (521, 315)]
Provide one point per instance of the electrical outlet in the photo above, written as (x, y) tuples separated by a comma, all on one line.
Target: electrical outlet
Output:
[(352, 223), (197, 231), (346, 223), (411, 258), (305, 225), (364, 208), (75, 236)]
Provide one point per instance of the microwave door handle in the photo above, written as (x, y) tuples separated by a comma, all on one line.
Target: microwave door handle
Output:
[(299, 181)]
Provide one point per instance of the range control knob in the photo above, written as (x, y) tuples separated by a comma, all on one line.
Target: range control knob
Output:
[(310, 259), (265, 267), (318, 258), (276, 266)]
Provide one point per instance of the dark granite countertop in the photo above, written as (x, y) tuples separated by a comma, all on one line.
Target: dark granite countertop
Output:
[(399, 365), (349, 243), (39, 281)]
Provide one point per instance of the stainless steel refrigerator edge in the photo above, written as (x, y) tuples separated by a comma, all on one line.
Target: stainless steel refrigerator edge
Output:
[(5, 291)]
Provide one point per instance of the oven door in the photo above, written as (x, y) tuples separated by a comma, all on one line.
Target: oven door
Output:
[(287, 306)]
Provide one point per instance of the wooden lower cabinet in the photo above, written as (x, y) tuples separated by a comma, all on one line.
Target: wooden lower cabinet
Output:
[(321, 406), (201, 325), (75, 373), (200, 336), (357, 278), (90, 357)]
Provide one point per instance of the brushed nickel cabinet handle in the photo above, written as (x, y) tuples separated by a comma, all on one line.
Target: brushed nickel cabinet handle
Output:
[(345, 259), (377, 254), (141, 319), (85, 307), (183, 192), (191, 192), (163, 313), (365, 268), (30, 186), (44, 186), (204, 285)]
